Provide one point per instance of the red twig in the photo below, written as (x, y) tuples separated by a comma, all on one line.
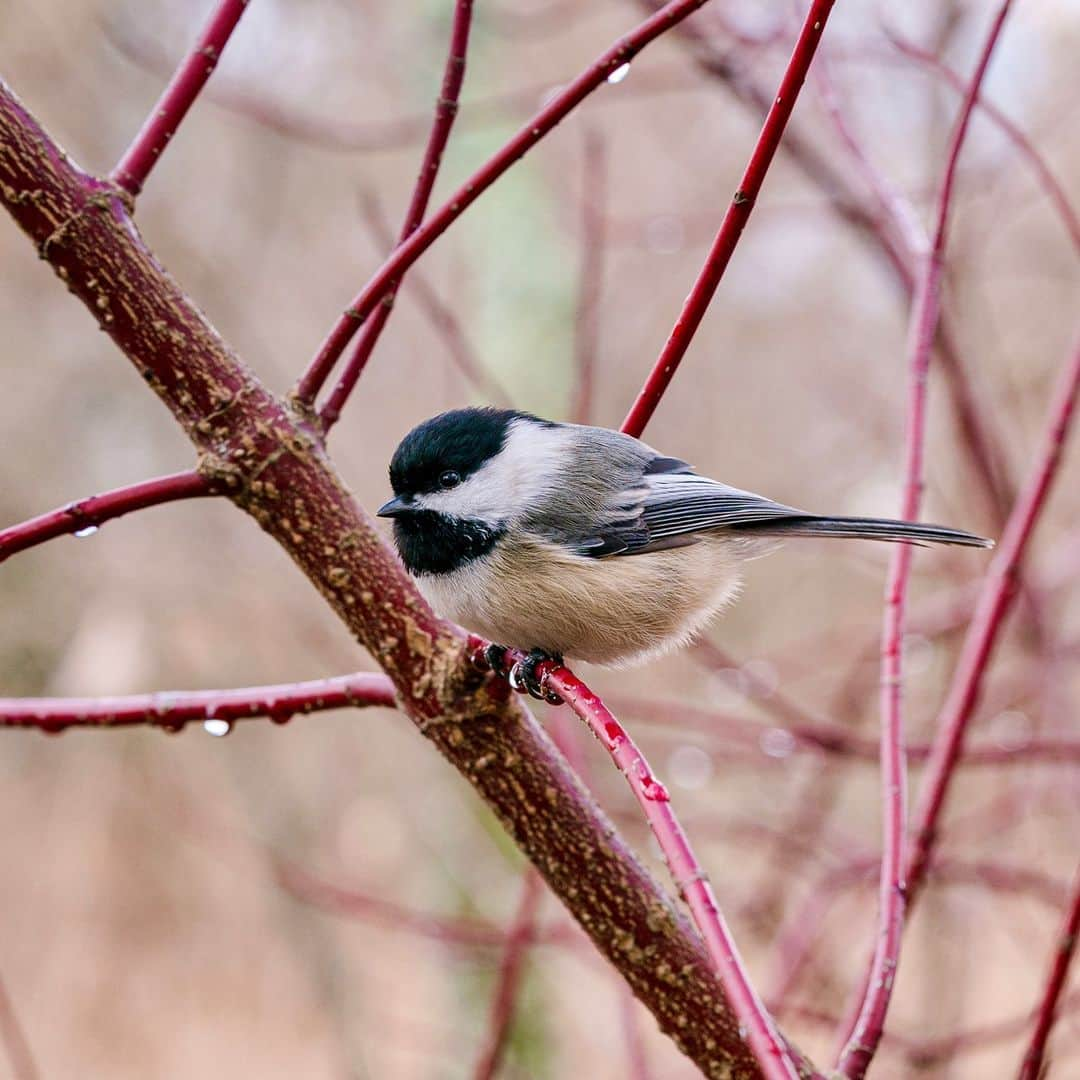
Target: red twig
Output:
[(622, 52), (1064, 947), (508, 982), (446, 108), (862, 1042), (171, 710), (171, 108), (88, 514), (989, 618), (690, 880), (20, 1057), (738, 213), (587, 322)]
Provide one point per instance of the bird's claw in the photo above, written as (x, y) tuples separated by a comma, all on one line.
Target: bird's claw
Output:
[(495, 655), (523, 676)]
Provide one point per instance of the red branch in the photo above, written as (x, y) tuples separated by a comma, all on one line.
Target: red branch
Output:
[(446, 108), (171, 108), (508, 982), (90, 513), (622, 52), (1065, 946), (738, 213), (864, 1036), (171, 710), (691, 881), (986, 625)]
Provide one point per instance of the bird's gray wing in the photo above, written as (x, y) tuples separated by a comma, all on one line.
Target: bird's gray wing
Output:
[(648, 502), (679, 505), (682, 503)]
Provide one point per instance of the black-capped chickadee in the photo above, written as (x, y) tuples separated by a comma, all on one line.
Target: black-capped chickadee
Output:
[(568, 540)]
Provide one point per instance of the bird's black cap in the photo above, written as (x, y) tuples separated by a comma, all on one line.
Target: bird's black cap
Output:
[(461, 440)]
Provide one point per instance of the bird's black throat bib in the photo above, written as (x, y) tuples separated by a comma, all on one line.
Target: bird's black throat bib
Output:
[(433, 543)]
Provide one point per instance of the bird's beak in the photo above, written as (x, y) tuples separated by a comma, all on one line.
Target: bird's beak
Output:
[(398, 505)]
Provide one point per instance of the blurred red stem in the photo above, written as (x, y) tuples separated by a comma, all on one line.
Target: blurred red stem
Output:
[(622, 52), (446, 108), (171, 710), (1064, 947), (738, 213), (862, 1041), (171, 108), (987, 622), (508, 980), (91, 512)]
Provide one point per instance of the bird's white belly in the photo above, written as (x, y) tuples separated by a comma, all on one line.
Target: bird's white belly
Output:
[(532, 594)]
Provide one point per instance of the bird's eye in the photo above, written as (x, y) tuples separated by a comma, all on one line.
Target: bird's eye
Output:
[(449, 479)]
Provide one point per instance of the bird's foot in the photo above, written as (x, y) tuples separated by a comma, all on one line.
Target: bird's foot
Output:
[(523, 675), (495, 655)]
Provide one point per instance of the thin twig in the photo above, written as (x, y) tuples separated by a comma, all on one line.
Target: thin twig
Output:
[(87, 515), (865, 1034), (738, 213), (769, 1048), (171, 710), (1064, 947), (446, 108), (564, 102), (508, 981), (993, 605), (171, 108)]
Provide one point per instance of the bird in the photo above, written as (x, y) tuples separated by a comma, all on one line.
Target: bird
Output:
[(567, 540)]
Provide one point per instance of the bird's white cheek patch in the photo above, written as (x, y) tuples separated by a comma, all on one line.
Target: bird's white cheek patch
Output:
[(515, 480)]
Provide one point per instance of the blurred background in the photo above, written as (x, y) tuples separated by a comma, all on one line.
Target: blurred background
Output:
[(327, 898)]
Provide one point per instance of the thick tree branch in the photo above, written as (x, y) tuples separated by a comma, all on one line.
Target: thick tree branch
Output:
[(271, 462)]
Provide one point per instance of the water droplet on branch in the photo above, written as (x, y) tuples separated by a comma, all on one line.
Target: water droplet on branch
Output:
[(619, 74), (217, 727), (87, 530)]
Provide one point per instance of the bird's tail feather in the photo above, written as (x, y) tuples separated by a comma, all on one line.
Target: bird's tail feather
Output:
[(904, 532)]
